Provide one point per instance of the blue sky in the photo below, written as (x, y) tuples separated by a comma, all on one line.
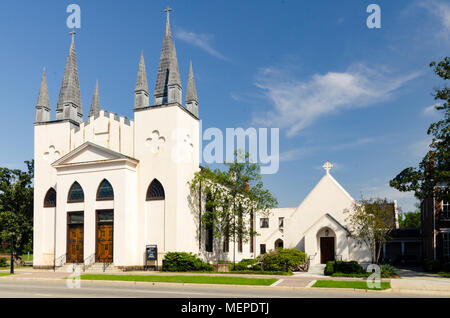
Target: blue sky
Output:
[(337, 90)]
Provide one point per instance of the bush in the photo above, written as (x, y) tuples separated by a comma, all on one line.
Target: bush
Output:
[(388, 271), (350, 267), (184, 262), (247, 264), (329, 268), (3, 262), (284, 260), (431, 265)]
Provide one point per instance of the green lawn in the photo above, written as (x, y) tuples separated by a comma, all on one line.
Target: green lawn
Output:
[(348, 284), (444, 274), (4, 274), (184, 279)]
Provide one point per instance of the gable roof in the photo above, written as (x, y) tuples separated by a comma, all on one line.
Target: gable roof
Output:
[(331, 218), (110, 156)]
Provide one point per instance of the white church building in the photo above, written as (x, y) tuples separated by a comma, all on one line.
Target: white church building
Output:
[(108, 187)]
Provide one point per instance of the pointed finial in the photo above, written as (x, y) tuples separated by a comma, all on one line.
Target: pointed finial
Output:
[(167, 10), (95, 104), (327, 166), (43, 99)]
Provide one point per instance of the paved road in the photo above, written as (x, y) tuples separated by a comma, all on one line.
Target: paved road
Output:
[(57, 289)]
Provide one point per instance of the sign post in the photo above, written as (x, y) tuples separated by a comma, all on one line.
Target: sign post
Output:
[(151, 254)]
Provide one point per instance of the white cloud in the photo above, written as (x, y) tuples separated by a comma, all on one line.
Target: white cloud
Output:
[(202, 41), (441, 10), (430, 110), (298, 103)]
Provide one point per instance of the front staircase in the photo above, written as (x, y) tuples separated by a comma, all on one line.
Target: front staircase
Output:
[(316, 269), (93, 268)]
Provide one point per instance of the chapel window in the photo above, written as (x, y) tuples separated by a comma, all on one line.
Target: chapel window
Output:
[(76, 193), (105, 191), (50, 199), (155, 191), (264, 223)]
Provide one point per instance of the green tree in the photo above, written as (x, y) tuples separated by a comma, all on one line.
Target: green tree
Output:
[(235, 195), (369, 223), (409, 219), (16, 207), (433, 174)]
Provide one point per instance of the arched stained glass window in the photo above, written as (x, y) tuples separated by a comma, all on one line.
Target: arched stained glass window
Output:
[(50, 199), (105, 191), (76, 193), (155, 191)]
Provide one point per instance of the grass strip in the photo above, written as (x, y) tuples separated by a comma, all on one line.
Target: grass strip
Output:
[(4, 274), (227, 280), (349, 284)]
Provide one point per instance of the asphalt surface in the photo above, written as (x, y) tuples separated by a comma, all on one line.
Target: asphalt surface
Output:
[(88, 289)]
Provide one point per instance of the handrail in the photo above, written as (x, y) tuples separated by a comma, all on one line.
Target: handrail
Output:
[(338, 257), (106, 265), (60, 261), (88, 262)]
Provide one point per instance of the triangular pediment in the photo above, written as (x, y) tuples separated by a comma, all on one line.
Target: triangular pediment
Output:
[(90, 153)]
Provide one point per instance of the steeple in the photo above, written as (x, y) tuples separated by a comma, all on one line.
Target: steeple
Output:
[(191, 95), (69, 101), (168, 85), (141, 95), (43, 102), (95, 104)]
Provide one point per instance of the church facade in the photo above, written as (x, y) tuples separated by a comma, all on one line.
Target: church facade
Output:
[(108, 187)]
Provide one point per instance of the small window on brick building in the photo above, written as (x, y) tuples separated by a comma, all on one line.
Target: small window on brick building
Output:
[(446, 210)]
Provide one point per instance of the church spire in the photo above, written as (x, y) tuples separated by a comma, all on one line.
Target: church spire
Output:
[(168, 83), (43, 102), (95, 104), (141, 95), (191, 95), (69, 101)]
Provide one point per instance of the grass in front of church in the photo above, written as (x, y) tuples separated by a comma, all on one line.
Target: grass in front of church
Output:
[(444, 274), (4, 274), (184, 279), (349, 284)]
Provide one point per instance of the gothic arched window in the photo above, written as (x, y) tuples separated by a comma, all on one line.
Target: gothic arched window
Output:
[(76, 193), (155, 191), (105, 191), (50, 199)]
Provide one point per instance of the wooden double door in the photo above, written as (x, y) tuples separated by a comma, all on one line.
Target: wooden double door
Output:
[(326, 249), (104, 236)]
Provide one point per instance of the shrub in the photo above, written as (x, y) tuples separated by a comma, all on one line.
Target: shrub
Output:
[(431, 265), (247, 264), (184, 262), (350, 267), (3, 262), (329, 268), (284, 260), (388, 271)]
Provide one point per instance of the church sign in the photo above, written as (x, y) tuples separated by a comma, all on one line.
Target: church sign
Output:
[(151, 252)]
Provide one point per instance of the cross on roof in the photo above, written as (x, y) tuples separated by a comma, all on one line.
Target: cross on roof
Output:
[(327, 166), (72, 32), (168, 9)]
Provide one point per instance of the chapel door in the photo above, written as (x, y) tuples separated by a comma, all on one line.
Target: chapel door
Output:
[(326, 249), (75, 237), (104, 237)]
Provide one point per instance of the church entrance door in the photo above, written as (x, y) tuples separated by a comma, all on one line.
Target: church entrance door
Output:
[(104, 236), (75, 237), (326, 249)]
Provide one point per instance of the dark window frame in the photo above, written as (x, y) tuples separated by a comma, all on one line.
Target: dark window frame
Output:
[(98, 198), (47, 203), (155, 191), (70, 191), (262, 224)]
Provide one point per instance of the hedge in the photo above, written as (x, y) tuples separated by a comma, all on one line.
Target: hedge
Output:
[(184, 262)]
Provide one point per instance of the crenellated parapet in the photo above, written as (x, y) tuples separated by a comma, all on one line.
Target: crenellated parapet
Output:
[(108, 130)]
